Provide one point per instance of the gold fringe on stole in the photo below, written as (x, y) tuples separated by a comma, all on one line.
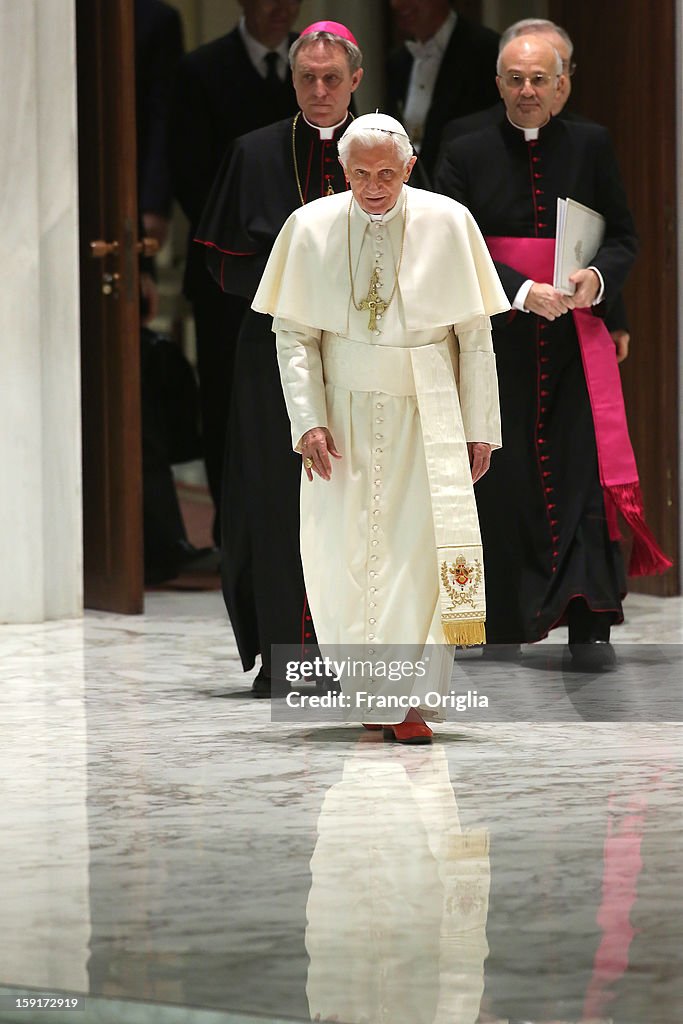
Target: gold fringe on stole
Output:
[(464, 634)]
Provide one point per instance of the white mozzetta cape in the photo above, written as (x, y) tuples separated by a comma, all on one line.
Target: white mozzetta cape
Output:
[(447, 276)]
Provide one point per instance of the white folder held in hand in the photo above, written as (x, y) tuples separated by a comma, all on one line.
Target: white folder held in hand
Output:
[(578, 237)]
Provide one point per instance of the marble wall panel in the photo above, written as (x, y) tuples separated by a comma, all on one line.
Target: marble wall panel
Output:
[(59, 308), (40, 497), (679, 178), (20, 381)]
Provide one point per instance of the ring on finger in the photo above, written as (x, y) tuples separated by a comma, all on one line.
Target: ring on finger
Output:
[(308, 463)]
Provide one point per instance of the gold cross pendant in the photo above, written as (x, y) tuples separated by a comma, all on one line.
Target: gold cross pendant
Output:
[(373, 302)]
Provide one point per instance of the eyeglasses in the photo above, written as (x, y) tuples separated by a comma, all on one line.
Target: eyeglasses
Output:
[(539, 80)]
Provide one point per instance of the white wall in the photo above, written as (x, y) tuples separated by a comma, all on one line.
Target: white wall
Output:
[(679, 178), (40, 451)]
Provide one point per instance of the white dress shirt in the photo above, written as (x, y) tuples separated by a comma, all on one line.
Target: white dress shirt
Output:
[(427, 59)]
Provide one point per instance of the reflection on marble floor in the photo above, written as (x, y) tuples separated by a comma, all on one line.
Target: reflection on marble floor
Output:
[(161, 840)]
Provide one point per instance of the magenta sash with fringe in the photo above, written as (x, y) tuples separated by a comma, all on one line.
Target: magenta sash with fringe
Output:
[(534, 257)]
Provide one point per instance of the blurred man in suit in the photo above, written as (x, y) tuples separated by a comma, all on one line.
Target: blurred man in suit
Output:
[(158, 50), (444, 70), (227, 87)]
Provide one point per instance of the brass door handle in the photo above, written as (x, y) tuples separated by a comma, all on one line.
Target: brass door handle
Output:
[(99, 249), (147, 246)]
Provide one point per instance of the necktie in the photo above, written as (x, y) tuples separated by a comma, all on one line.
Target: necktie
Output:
[(272, 77)]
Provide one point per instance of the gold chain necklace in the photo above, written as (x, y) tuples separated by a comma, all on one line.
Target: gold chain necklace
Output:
[(376, 306), (330, 190)]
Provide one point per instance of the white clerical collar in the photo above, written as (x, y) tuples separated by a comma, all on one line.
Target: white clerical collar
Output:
[(382, 218), (530, 134), (325, 133), (437, 43), (257, 51)]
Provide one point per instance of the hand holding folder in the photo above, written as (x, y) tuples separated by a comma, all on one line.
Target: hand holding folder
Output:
[(578, 237)]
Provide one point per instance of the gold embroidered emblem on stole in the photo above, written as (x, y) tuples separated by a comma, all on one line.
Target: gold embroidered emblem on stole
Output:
[(461, 581)]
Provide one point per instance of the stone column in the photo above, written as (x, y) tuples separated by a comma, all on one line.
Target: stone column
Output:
[(679, 177)]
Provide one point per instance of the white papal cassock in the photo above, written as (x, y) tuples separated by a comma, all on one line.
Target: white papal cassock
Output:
[(390, 545)]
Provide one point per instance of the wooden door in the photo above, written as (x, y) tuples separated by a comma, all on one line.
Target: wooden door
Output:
[(626, 80), (110, 318)]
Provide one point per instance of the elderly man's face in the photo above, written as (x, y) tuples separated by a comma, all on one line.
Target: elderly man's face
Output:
[(270, 21), (376, 175), (324, 83), (529, 83)]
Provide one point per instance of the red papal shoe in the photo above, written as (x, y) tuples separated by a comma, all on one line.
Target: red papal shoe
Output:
[(372, 728), (413, 730)]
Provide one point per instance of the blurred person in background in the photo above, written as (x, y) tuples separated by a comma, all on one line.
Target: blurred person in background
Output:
[(445, 69), (223, 89)]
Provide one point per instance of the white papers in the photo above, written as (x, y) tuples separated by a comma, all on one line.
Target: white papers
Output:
[(578, 237)]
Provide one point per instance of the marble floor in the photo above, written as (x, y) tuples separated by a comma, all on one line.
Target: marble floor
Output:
[(170, 854)]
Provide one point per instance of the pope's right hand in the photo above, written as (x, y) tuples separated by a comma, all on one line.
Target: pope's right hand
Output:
[(316, 447), (546, 301)]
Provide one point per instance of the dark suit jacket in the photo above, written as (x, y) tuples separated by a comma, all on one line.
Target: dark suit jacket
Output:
[(219, 96), (158, 49), (466, 82)]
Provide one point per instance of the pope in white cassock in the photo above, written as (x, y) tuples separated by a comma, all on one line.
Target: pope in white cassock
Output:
[(381, 302)]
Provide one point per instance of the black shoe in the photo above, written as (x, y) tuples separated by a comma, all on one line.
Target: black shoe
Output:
[(261, 687), (265, 688), (595, 656), (585, 625), (157, 574), (192, 559), (181, 557)]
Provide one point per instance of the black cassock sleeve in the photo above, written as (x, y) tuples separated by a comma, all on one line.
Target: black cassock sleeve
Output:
[(249, 202)]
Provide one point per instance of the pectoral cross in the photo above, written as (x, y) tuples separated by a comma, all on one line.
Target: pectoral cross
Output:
[(373, 302)]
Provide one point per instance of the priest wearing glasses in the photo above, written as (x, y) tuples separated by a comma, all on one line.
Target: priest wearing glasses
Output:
[(548, 508), (267, 174), (381, 301)]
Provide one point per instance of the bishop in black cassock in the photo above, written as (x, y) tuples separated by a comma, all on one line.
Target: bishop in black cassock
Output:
[(615, 315), (268, 174), (548, 551)]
